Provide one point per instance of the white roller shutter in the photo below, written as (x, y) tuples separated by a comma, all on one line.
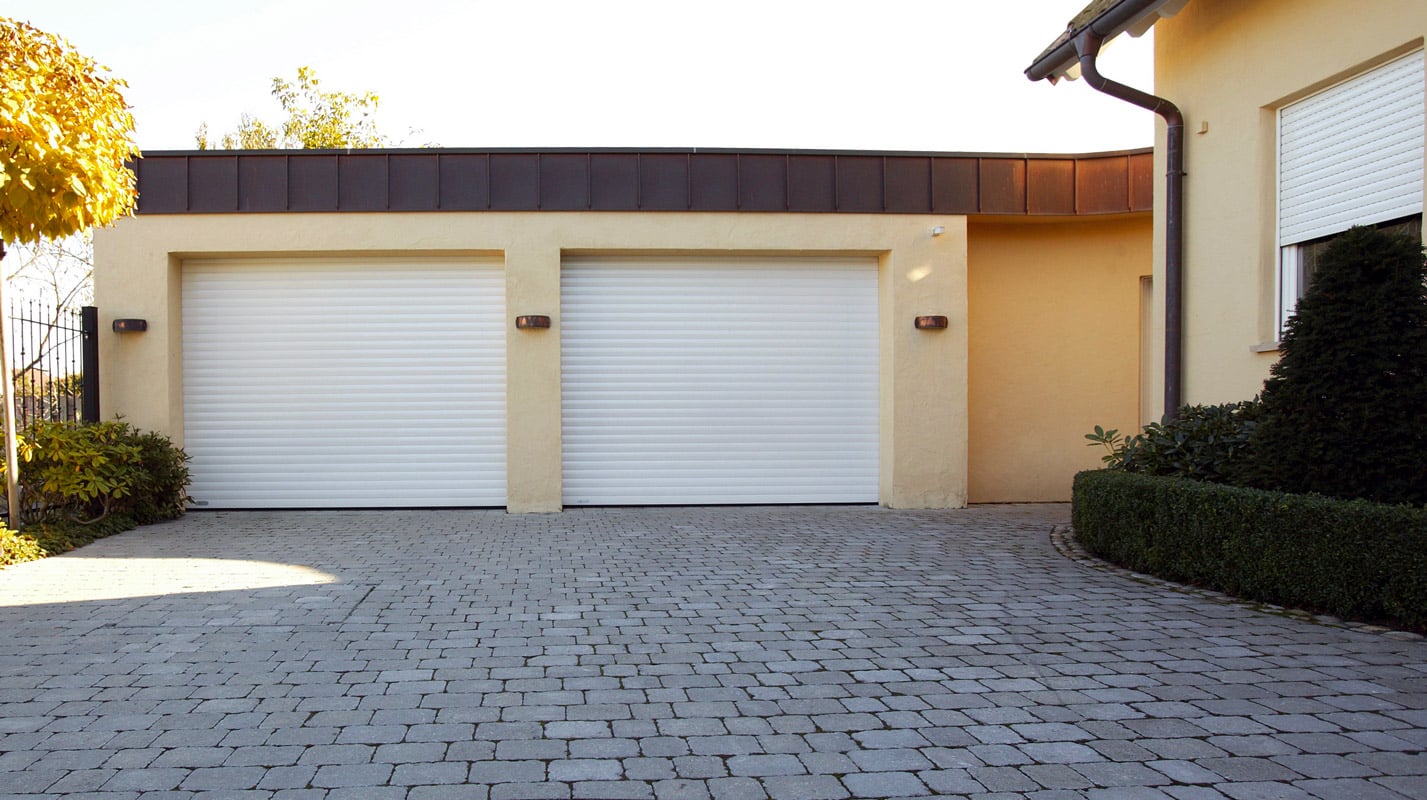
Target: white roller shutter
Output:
[(750, 380), (1352, 154), (341, 383)]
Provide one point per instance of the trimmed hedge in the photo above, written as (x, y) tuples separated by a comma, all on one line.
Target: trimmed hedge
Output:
[(1350, 558)]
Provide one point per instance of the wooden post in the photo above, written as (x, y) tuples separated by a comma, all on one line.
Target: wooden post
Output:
[(7, 399)]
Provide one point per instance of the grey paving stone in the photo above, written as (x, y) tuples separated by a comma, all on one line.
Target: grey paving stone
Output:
[(585, 769), (529, 791), (223, 778), (735, 789), (144, 780), (804, 787), (884, 784), (890, 760), (765, 765), (1059, 753), (686, 652)]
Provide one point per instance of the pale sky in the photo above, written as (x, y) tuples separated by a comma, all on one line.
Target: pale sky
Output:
[(881, 75)]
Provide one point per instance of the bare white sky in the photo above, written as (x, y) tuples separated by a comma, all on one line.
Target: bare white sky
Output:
[(882, 75)]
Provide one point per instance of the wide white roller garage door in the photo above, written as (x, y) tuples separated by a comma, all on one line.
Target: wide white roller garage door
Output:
[(319, 383), (747, 380)]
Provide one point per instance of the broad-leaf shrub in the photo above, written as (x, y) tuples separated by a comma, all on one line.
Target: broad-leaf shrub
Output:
[(162, 490), (86, 473), (1351, 558), (1207, 443), (80, 470)]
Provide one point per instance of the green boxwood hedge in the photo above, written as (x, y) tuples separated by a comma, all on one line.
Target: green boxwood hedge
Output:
[(1350, 558)]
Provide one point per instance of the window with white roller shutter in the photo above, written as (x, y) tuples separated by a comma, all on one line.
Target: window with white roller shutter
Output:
[(1349, 155), (327, 383)]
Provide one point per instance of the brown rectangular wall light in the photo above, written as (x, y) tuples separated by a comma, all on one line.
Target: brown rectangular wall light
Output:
[(931, 323), (528, 321), (130, 325)]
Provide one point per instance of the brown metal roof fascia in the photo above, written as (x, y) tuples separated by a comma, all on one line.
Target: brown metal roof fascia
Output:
[(805, 181), (1106, 18)]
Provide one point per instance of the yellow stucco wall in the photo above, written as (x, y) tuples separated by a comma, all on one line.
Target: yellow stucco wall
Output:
[(1055, 348), (1229, 65), (139, 273)]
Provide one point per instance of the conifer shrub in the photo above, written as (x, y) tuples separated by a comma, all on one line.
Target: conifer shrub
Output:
[(1345, 408)]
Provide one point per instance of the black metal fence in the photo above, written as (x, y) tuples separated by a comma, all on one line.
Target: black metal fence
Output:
[(54, 354)]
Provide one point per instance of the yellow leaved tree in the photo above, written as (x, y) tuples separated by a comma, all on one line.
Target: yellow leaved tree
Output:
[(65, 135)]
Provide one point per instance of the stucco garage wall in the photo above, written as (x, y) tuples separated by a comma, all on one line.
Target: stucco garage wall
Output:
[(923, 443), (1229, 65), (1055, 348)]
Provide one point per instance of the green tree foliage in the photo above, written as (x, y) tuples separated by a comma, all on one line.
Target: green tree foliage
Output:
[(316, 119), (1345, 407)]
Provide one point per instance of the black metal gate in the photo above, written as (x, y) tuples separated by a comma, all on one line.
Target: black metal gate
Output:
[(55, 358)]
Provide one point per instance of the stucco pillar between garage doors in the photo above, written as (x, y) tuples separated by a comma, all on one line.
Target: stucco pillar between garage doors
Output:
[(532, 394)]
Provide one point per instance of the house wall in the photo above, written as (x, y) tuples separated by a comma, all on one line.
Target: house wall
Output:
[(924, 374), (1055, 348), (1229, 65)]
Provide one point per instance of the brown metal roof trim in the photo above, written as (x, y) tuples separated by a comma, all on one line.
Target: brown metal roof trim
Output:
[(225, 182)]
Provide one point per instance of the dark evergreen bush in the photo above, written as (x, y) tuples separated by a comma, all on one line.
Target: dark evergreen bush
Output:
[(1345, 407)]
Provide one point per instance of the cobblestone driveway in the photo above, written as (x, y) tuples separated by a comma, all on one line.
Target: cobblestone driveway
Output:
[(673, 653)]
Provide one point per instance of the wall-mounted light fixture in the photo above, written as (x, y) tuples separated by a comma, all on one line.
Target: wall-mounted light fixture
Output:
[(931, 323), (130, 325), (529, 321), (938, 230)]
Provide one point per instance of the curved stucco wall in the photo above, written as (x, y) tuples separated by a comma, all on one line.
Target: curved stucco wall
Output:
[(1055, 349)]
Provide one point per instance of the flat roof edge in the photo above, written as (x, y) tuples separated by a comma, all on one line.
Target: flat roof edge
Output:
[(638, 150)]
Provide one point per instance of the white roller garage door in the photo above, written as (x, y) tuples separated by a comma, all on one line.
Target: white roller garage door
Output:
[(344, 383), (749, 380)]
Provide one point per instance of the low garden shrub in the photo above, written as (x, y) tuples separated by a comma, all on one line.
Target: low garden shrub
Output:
[(1351, 558), (83, 482), (161, 492), (16, 547), (87, 472), (57, 534), (1207, 443)]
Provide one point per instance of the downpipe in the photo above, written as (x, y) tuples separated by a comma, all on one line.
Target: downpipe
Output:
[(1087, 47)]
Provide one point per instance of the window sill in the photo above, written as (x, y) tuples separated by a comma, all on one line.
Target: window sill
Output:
[(1264, 347)]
